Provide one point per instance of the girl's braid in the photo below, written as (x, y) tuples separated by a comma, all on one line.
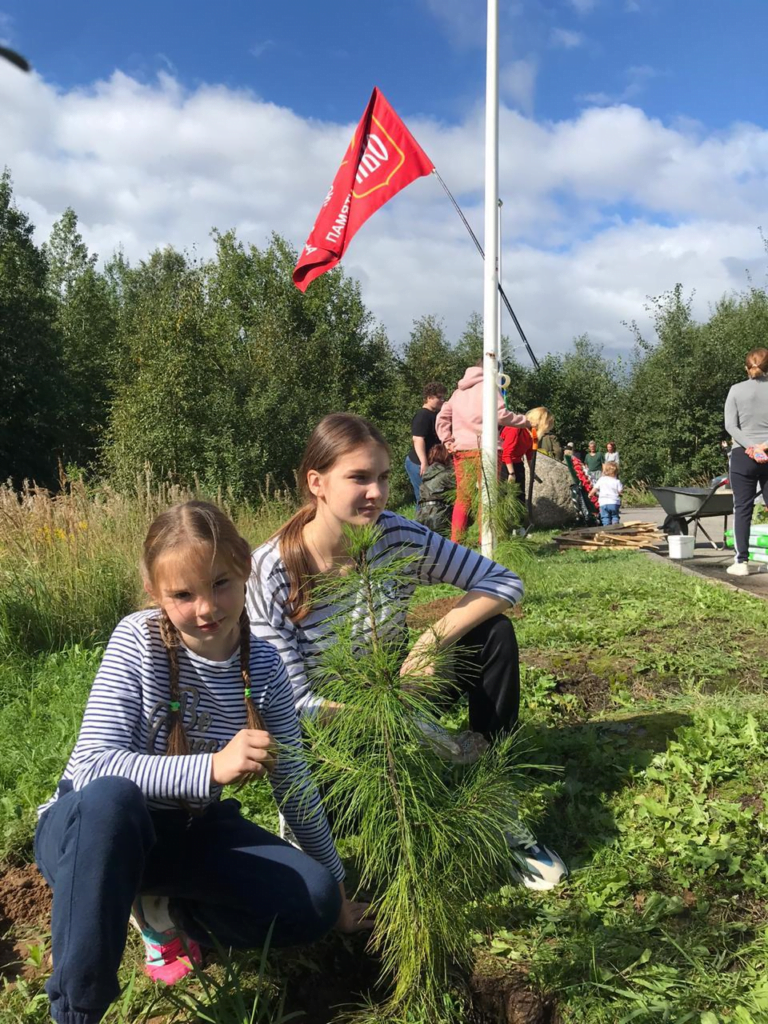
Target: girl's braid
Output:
[(254, 719), (177, 737)]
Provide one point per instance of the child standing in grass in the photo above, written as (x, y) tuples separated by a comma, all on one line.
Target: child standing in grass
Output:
[(186, 701), (344, 477), (438, 491), (608, 489)]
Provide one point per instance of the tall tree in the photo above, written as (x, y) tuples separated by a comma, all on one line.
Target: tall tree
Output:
[(226, 367), (427, 356), (31, 372), (86, 319)]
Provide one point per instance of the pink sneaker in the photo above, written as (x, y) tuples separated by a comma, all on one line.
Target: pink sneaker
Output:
[(171, 961), (169, 954)]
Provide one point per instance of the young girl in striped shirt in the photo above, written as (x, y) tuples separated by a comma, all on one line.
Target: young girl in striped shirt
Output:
[(344, 477), (186, 701)]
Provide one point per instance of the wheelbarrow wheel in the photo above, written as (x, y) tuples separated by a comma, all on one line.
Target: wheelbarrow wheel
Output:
[(675, 526)]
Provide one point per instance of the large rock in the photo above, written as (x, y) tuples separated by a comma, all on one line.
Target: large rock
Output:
[(552, 502)]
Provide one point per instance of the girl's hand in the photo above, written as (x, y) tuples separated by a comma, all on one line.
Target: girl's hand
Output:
[(354, 916), (249, 752), (328, 710), (418, 663)]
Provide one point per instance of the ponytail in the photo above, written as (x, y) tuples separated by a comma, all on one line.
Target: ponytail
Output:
[(757, 362), (253, 716), (295, 555)]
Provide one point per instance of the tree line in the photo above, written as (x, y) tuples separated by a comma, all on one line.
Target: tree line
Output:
[(217, 369)]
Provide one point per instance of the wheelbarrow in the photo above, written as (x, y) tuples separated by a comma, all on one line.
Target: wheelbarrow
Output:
[(685, 505)]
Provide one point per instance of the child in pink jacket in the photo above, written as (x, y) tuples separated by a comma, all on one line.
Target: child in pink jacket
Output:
[(459, 426)]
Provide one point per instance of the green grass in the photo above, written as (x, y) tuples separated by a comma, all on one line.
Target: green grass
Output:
[(646, 688)]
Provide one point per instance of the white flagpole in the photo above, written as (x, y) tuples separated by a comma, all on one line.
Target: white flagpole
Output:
[(501, 278), (491, 279)]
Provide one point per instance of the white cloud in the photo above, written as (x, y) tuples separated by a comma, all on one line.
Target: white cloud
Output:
[(517, 82), (636, 80), (583, 6), (260, 48), (6, 29), (462, 20), (566, 39), (600, 210)]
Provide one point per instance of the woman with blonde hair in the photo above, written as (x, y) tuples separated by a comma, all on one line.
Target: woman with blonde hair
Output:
[(746, 421), (543, 422)]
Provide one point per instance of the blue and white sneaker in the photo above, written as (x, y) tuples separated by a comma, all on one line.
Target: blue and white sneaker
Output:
[(533, 865), (463, 748)]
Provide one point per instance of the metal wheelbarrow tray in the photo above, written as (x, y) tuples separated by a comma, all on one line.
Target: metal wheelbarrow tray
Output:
[(685, 505)]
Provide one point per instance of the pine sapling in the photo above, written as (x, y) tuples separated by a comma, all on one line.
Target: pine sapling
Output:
[(429, 838)]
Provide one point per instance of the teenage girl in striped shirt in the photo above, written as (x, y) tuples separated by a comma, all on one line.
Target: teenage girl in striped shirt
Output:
[(344, 477)]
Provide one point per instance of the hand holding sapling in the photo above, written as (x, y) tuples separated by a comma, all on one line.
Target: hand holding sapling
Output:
[(354, 916), (249, 752)]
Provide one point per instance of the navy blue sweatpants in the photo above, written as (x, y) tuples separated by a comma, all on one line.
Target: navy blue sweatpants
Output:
[(226, 877)]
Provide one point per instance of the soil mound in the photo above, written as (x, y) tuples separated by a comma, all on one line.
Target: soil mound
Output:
[(25, 914)]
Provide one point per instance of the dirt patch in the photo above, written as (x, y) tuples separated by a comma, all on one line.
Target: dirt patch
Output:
[(503, 995), (338, 974), (593, 691), (591, 678), (25, 914), (333, 976), (574, 675), (750, 802), (424, 615)]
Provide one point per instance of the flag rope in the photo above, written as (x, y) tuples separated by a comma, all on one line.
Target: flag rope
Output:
[(479, 248)]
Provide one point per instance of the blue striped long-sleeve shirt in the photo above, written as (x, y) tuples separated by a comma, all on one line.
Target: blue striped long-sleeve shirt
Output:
[(432, 559), (126, 723)]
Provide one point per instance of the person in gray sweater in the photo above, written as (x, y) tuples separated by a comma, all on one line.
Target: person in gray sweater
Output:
[(746, 420)]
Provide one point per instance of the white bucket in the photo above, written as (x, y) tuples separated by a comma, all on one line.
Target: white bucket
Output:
[(680, 546)]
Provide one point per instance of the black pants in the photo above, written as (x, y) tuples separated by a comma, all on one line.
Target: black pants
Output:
[(518, 474), (746, 476), (488, 671)]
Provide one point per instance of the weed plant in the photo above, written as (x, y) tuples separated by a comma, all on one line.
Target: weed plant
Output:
[(638, 495)]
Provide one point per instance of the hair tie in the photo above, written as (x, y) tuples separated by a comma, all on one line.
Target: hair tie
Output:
[(175, 705), (247, 691)]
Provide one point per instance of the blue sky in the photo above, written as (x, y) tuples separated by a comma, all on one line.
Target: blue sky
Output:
[(634, 141), (702, 59)]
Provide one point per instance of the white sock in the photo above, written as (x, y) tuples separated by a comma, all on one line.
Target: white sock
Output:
[(155, 912)]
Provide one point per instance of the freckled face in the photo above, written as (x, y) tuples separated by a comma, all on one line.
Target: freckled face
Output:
[(203, 598), (355, 489)]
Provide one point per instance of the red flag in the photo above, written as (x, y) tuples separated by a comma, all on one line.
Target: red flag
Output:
[(383, 157)]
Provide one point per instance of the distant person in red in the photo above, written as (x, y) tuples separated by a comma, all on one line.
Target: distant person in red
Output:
[(459, 426), (516, 445)]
